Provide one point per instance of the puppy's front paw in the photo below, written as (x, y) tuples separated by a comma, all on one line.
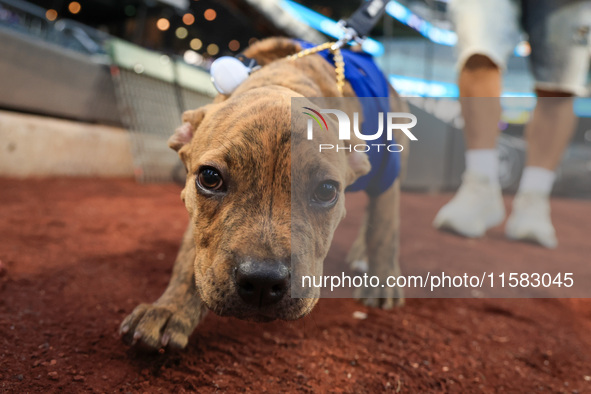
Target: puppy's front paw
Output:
[(154, 327), (380, 297)]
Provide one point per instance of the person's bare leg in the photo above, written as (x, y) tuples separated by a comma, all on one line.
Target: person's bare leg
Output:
[(481, 78), (550, 129), (548, 134), (478, 204)]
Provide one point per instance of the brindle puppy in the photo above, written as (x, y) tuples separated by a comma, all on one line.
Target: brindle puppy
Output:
[(235, 257)]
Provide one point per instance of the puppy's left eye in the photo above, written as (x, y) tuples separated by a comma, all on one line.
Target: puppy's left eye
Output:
[(326, 193), (209, 179)]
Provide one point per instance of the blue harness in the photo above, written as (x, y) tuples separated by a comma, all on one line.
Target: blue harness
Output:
[(368, 80)]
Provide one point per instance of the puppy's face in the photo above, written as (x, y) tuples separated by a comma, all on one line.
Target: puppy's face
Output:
[(243, 207)]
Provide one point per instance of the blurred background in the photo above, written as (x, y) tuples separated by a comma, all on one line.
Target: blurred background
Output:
[(95, 87)]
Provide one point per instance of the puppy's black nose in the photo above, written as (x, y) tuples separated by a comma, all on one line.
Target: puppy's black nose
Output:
[(262, 283)]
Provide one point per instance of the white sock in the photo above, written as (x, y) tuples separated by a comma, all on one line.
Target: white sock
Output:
[(484, 162), (537, 180)]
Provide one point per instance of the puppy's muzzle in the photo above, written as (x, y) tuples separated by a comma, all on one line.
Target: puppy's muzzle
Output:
[(262, 283)]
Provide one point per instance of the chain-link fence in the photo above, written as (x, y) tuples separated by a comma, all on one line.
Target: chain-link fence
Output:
[(152, 92)]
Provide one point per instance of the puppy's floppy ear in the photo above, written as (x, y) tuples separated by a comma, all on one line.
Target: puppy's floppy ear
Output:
[(184, 134), (358, 166)]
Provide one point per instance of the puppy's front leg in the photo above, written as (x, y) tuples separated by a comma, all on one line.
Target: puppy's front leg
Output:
[(382, 245), (172, 318)]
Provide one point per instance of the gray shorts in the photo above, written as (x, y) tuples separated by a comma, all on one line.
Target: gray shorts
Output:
[(559, 34)]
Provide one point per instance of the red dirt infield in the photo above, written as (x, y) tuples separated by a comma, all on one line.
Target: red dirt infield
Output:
[(77, 255)]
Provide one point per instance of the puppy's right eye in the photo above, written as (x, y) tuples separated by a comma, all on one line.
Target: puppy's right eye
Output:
[(326, 193), (209, 179)]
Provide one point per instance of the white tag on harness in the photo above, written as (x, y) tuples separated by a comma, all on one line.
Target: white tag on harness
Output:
[(227, 73)]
